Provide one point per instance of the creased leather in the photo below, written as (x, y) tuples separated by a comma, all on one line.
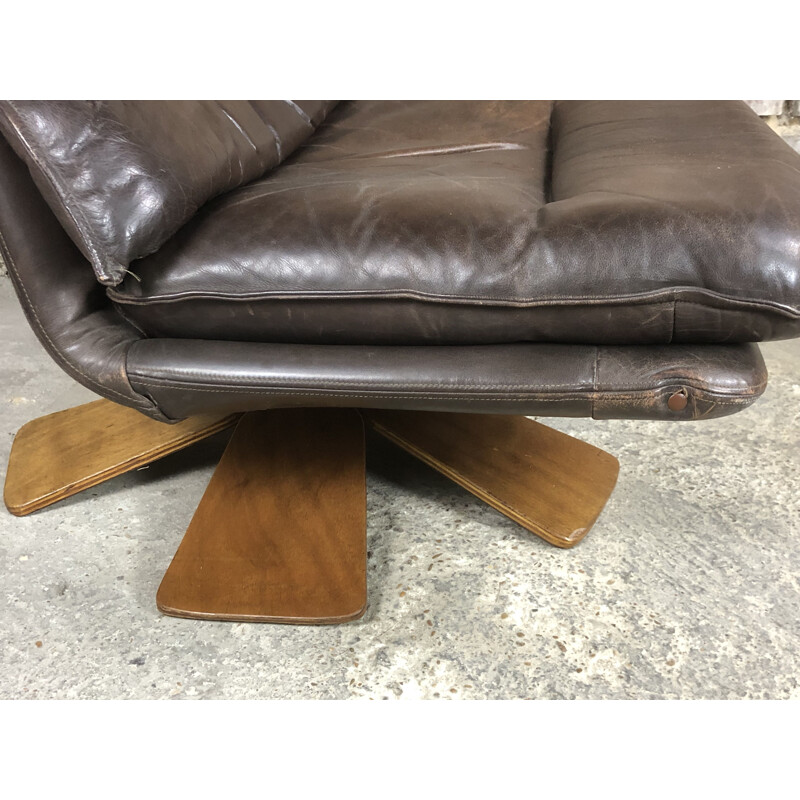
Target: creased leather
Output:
[(190, 377), (123, 176), (170, 378), (435, 223), (66, 307)]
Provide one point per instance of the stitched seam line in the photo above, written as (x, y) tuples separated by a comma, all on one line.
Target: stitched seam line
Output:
[(399, 385), (321, 382), (577, 395), (284, 389), (642, 298)]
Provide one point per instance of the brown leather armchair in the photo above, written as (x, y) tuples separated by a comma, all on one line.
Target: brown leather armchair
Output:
[(445, 268)]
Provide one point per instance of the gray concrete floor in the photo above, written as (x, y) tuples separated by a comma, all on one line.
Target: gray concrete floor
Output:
[(687, 587)]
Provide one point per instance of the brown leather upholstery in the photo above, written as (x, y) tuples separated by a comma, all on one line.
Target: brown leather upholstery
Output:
[(445, 223), (65, 305), (185, 377), (123, 176), (461, 200)]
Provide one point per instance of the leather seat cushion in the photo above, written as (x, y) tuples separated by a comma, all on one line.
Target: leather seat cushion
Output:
[(487, 222)]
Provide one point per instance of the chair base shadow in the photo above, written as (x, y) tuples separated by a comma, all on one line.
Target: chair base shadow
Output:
[(280, 533)]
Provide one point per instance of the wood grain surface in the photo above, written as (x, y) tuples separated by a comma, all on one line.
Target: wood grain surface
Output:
[(280, 533), (550, 483), (61, 454)]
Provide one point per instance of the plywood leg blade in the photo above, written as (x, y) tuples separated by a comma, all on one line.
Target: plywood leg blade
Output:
[(280, 533), (550, 483), (61, 454)]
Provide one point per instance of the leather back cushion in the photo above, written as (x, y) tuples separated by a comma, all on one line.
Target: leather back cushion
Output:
[(124, 176)]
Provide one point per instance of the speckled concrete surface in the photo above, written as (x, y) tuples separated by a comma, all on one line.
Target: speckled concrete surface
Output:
[(688, 586)]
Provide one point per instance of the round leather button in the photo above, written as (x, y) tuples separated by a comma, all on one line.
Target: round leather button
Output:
[(678, 401)]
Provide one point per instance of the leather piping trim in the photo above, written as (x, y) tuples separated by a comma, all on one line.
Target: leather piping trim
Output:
[(477, 391), (642, 298)]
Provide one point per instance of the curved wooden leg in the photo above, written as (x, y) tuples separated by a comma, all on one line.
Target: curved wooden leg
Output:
[(280, 533), (61, 454), (550, 483)]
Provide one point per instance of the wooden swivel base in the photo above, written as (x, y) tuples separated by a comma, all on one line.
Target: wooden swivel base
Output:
[(280, 533)]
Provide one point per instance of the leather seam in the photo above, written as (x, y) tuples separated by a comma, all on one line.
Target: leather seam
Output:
[(641, 298), (399, 385), (343, 383), (576, 395), (379, 394)]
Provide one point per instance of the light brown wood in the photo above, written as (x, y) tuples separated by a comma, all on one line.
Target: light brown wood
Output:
[(280, 533), (61, 454), (550, 483)]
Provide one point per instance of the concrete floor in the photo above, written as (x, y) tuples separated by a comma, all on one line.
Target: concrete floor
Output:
[(687, 587)]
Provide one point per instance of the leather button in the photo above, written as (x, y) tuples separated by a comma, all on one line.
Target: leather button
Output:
[(678, 401)]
